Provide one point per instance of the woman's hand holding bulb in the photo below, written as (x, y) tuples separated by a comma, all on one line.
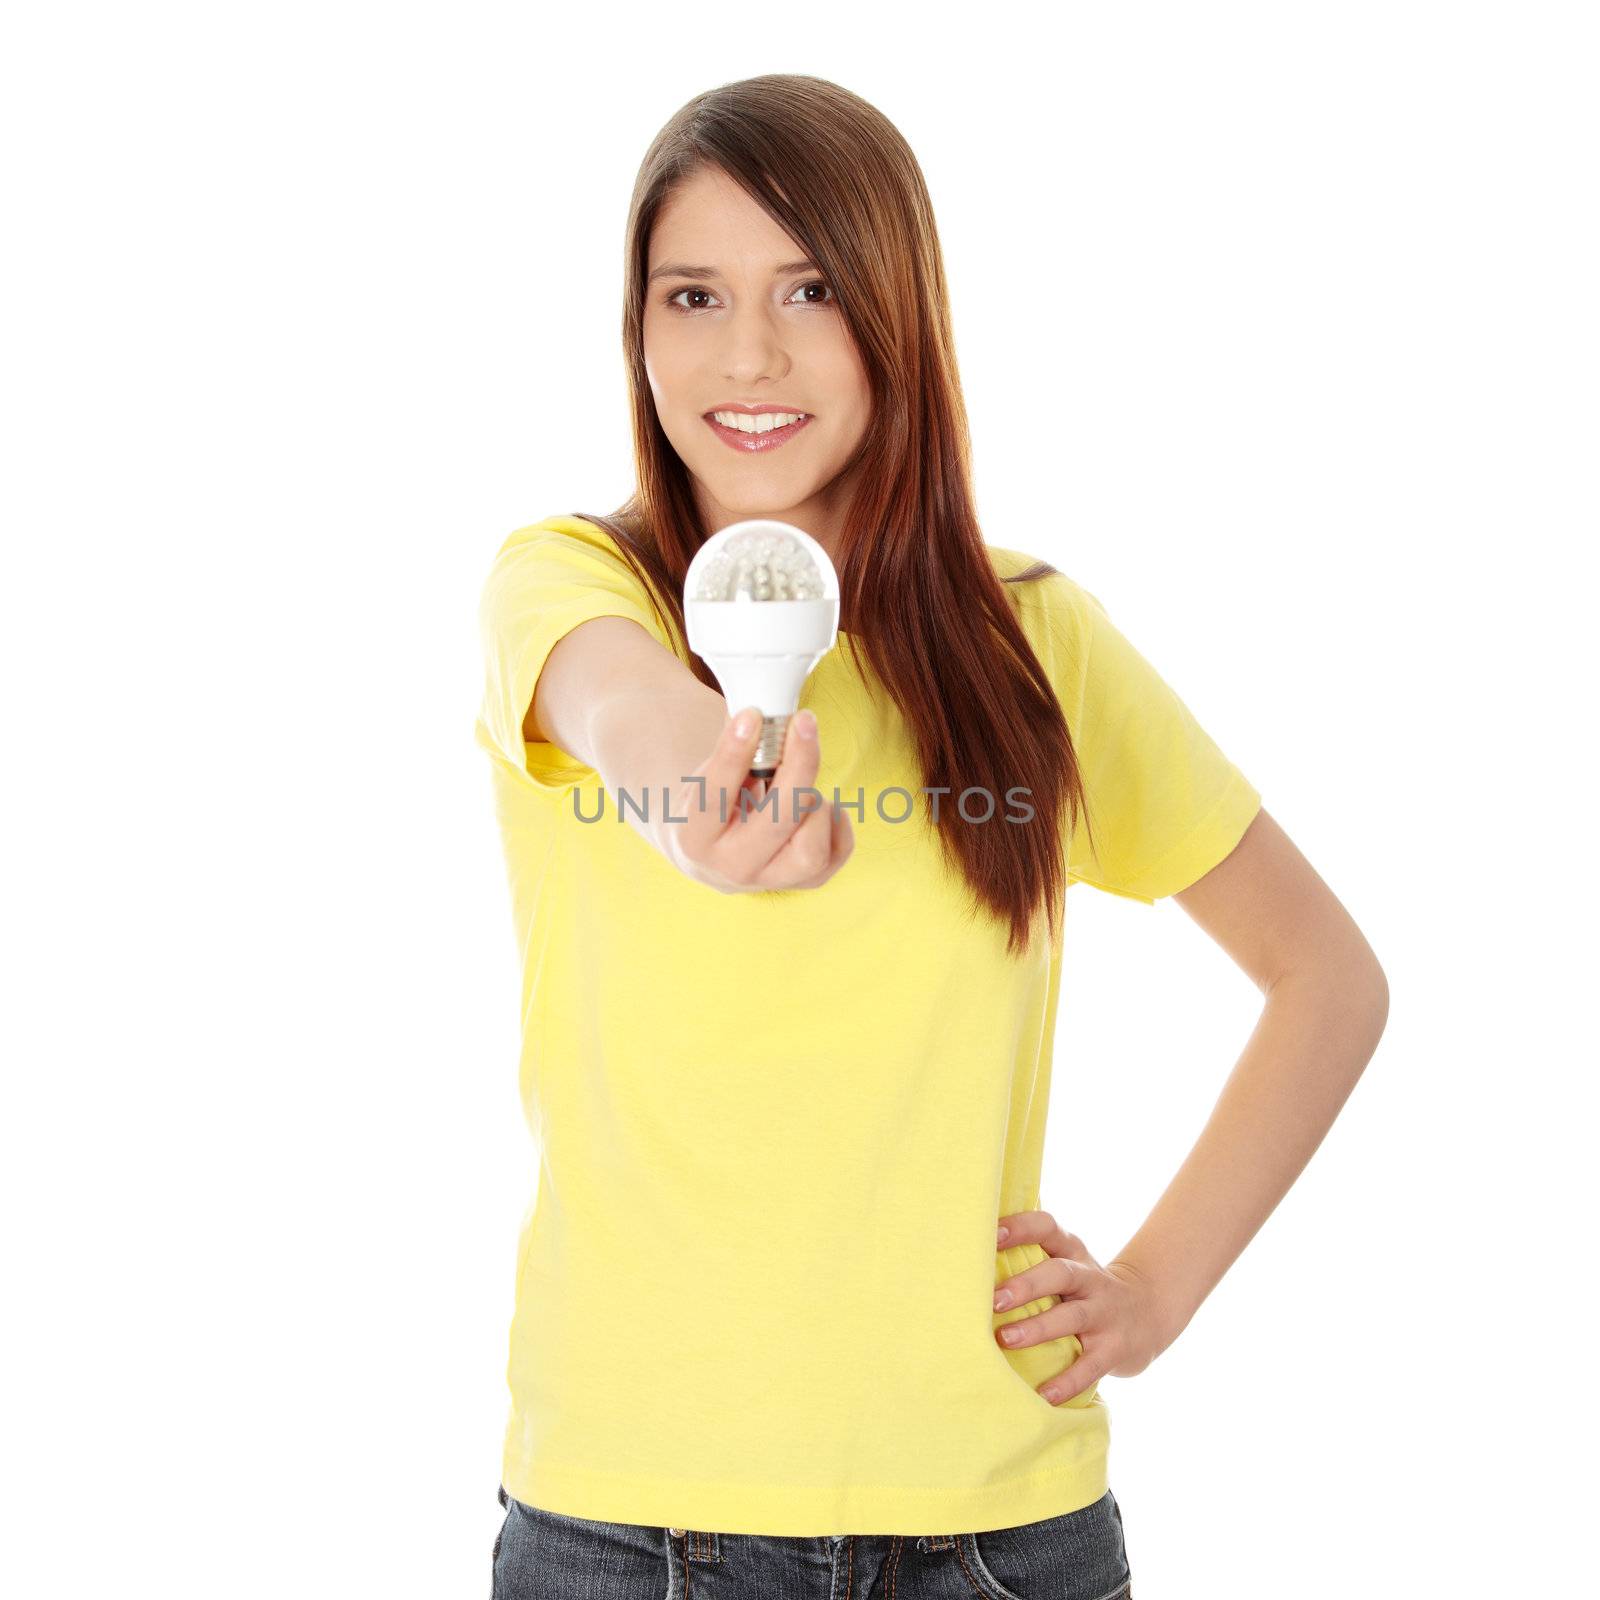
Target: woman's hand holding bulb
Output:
[(729, 844)]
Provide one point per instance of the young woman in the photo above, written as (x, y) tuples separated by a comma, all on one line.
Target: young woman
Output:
[(788, 1070)]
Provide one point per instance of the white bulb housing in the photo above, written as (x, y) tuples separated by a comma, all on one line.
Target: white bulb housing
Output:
[(761, 608)]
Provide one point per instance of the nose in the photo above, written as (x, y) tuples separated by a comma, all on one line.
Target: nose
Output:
[(753, 345)]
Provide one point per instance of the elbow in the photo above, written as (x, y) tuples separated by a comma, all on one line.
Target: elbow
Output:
[(1373, 987), (1350, 994), (1364, 985)]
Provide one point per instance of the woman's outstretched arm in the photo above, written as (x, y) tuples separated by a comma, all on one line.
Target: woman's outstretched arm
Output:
[(620, 702)]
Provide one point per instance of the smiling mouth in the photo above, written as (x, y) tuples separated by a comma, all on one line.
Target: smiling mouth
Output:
[(750, 442)]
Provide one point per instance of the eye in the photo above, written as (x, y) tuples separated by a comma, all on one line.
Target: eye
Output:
[(675, 299), (672, 299)]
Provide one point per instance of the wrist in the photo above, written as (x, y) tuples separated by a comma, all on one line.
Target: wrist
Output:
[(1166, 1312), (649, 744)]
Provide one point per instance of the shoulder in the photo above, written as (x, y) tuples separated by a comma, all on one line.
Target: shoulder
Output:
[(1047, 598), (563, 549), (563, 530), (566, 567)]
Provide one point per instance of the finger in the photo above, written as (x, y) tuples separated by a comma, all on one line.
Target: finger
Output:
[(1040, 1227), (755, 789), (1024, 1227), (760, 831), (722, 775), (841, 844), (1066, 1316), (796, 771), (842, 841), (801, 751), (1082, 1375), (1053, 1275), (804, 860)]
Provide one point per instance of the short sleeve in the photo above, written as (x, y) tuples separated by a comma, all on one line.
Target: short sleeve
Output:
[(545, 580), (1164, 802)]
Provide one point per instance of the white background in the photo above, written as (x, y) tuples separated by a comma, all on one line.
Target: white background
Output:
[(1277, 326)]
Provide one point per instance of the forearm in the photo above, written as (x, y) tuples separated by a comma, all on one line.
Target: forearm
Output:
[(1318, 1029)]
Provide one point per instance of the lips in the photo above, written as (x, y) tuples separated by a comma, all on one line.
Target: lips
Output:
[(750, 443)]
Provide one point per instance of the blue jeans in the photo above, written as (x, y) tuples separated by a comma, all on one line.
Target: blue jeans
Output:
[(547, 1555)]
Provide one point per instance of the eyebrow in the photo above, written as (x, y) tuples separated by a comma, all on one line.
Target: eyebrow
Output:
[(674, 269)]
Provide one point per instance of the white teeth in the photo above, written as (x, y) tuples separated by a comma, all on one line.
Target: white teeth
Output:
[(765, 422)]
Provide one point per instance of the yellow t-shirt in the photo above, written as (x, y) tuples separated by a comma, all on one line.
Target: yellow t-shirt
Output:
[(776, 1131)]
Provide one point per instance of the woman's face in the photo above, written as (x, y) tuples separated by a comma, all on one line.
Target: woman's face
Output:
[(734, 320)]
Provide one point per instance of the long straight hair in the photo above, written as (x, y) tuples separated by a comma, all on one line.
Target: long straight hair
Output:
[(917, 585)]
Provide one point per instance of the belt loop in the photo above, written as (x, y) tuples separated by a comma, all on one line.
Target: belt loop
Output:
[(698, 1544)]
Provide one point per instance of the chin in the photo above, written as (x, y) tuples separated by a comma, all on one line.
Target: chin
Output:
[(777, 504)]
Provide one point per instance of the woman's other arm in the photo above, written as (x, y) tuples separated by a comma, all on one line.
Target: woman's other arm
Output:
[(1327, 1001)]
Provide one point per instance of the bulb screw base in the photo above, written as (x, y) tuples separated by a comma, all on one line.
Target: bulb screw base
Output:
[(769, 751)]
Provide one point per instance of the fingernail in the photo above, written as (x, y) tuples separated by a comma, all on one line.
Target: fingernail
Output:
[(744, 724), (805, 724), (1002, 1299), (1052, 1395), (1002, 1235)]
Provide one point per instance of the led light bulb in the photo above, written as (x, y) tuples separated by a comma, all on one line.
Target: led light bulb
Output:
[(761, 607)]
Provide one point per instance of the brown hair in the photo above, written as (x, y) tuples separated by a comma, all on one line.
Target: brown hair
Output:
[(918, 590)]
